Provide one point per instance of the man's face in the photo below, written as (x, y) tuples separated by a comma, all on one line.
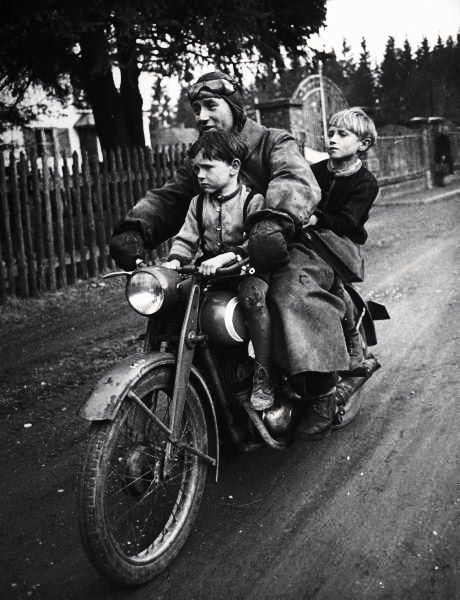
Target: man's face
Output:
[(343, 143), (214, 175), (212, 113)]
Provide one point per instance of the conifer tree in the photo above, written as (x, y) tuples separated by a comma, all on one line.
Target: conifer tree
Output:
[(362, 89), (390, 85)]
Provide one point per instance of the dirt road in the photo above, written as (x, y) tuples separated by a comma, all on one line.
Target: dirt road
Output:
[(371, 512)]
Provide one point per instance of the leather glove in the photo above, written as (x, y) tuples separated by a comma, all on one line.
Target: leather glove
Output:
[(125, 248), (267, 246)]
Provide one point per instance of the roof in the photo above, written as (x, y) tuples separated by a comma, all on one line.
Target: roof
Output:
[(86, 120)]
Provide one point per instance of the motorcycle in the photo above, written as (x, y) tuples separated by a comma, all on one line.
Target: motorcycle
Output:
[(158, 419)]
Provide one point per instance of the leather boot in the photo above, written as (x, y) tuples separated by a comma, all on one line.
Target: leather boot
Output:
[(354, 347), (318, 418), (262, 395)]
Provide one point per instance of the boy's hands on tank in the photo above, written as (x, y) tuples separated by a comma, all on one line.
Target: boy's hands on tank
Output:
[(210, 266), (171, 264), (125, 248)]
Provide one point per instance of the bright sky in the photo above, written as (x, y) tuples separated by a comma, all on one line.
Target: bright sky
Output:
[(376, 20)]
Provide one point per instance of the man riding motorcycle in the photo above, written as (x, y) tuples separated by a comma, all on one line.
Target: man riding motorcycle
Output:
[(308, 342)]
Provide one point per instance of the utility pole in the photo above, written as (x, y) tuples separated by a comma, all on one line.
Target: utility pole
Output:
[(323, 101)]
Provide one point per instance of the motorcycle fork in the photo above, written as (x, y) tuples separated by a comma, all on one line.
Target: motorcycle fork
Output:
[(185, 353)]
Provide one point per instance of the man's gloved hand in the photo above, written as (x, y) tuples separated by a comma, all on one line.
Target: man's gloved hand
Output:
[(267, 246), (125, 248)]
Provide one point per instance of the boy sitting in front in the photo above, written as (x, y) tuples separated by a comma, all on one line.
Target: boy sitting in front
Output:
[(348, 191), (214, 224)]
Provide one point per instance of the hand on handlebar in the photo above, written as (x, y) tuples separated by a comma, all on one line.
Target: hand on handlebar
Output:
[(171, 264), (125, 248), (210, 266)]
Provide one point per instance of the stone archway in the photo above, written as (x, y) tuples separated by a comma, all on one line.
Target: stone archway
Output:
[(301, 113), (308, 94)]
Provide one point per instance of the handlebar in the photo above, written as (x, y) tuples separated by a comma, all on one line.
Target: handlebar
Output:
[(191, 269), (230, 270)]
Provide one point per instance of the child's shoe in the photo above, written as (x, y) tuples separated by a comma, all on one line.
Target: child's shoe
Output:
[(262, 394), (354, 347)]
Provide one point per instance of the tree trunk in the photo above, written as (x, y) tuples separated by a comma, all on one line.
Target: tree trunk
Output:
[(131, 99), (96, 79)]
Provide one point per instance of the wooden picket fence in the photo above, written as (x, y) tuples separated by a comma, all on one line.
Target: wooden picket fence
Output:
[(57, 213)]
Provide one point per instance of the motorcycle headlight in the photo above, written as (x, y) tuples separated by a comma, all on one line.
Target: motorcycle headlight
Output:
[(145, 293), (151, 288)]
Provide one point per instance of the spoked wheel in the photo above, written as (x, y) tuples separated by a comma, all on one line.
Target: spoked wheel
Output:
[(135, 516)]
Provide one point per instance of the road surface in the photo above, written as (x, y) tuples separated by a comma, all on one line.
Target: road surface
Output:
[(372, 512)]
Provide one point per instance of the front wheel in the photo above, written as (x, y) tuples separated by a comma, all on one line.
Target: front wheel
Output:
[(134, 517)]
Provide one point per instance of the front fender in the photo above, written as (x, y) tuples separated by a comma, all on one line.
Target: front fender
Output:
[(110, 391)]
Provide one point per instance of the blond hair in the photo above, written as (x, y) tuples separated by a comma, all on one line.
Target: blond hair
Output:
[(355, 120)]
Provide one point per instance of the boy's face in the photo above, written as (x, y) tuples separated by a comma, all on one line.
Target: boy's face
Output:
[(212, 113), (343, 144), (215, 175)]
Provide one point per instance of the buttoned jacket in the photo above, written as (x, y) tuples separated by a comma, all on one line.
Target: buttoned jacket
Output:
[(223, 225), (274, 168)]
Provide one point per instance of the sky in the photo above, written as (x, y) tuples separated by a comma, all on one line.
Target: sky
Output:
[(376, 20)]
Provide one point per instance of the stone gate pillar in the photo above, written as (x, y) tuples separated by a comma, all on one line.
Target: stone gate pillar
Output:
[(283, 113)]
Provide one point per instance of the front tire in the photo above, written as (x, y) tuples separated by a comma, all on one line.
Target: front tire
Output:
[(134, 518)]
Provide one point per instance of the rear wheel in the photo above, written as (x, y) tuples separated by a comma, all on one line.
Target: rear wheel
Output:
[(134, 517)]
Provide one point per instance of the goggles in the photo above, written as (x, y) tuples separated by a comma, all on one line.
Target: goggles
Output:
[(216, 87)]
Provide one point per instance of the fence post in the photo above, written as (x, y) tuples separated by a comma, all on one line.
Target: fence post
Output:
[(143, 174), (38, 223), (100, 226), (59, 224), (130, 178), (18, 228), (29, 246), (426, 141), (88, 203), (2, 278), (68, 208), (115, 195), (121, 176), (136, 175), (150, 170), (108, 221), (49, 235), (7, 228), (80, 233)]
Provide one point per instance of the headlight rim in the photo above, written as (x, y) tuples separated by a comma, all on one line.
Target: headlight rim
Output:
[(160, 289)]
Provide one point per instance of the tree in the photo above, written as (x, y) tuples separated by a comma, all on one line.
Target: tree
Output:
[(341, 70), (63, 46), (184, 113), (390, 85), (161, 110), (362, 92), (423, 98)]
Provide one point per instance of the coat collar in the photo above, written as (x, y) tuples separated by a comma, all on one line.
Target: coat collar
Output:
[(251, 134)]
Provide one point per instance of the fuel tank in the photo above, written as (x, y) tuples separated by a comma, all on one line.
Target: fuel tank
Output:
[(222, 319)]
